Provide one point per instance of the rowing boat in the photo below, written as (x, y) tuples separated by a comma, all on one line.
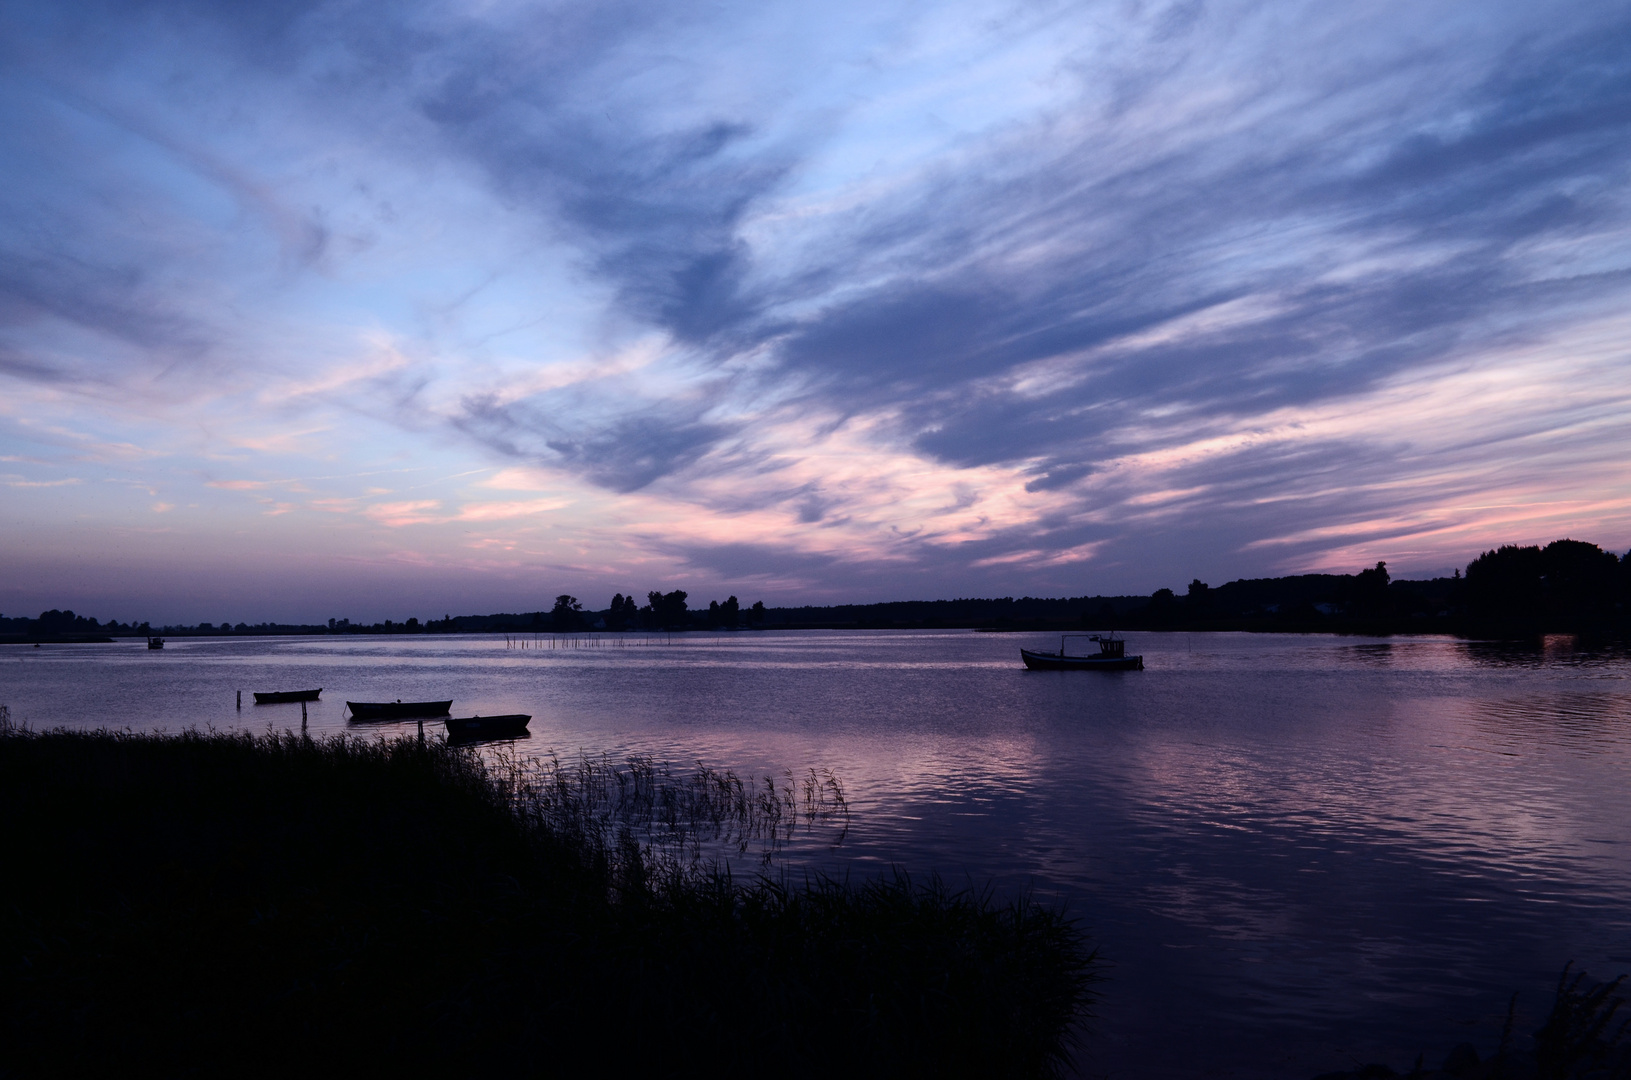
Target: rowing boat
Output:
[(280, 697), (508, 726), (398, 709)]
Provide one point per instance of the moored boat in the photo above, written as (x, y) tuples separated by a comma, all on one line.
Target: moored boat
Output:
[(279, 697), (507, 726), (398, 709), (1112, 656), (155, 643)]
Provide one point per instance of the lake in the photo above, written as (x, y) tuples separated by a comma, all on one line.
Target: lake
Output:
[(1295, 853)]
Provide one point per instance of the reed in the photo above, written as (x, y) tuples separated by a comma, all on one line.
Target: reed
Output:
[(1578, 1041), (684, 823), (1580, 1037), (201, 902)]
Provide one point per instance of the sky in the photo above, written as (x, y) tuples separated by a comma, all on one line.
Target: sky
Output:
[(315, 310)]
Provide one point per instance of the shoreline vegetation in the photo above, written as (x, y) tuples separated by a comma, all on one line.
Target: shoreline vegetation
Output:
[(1579, 1041), (1511, 593), (192, 903)]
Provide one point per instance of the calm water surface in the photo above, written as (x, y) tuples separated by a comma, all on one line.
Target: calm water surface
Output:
[(1295, 853)]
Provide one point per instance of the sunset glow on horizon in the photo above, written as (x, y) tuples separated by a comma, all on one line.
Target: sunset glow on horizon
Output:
[(315, 310)]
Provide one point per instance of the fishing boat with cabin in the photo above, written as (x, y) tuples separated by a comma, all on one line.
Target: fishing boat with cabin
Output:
[(1112, 656)]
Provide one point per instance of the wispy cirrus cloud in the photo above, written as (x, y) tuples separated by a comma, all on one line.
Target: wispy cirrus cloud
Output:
[(987, 296), (13, 480)]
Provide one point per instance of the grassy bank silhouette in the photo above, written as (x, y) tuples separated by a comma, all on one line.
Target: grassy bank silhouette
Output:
[(188, 904)]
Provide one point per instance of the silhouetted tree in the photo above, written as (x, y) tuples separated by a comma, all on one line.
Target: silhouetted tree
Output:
[(1368, 597), (756, 614), (666, 609), (567, 614), (1578, 581), (1568, 584), (1505, 584), (1199, 597), (723, 614), (62, 622), (1161, 608)]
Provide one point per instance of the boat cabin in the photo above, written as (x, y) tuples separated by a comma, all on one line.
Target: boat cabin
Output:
[(1110, 646)]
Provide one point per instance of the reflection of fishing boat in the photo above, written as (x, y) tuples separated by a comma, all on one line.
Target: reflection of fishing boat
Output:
[(508, 726), (155, 643), (278, 697), (1112, 656), (398, 709)]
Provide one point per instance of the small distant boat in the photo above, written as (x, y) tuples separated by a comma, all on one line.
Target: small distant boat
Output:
[(278, 697), (508, 726), (155, 643), (397, 710), (1112, 656)]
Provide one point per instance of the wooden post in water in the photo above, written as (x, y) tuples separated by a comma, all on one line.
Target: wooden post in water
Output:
[(240, 699)]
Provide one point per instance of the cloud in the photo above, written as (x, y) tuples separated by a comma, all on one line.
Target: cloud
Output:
[(396, 515), (499, 511), (13, 480), (624, 454), (978, 291)]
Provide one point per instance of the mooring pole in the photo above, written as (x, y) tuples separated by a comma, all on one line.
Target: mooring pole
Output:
[(240, 699)]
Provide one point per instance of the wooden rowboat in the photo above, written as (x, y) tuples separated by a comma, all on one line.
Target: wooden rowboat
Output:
[(1112, 656), (397, 710), (508, 726), (279, 697)]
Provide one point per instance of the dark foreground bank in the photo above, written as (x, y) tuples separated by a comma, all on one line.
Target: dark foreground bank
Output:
[(201, 903), (1583, 1038)]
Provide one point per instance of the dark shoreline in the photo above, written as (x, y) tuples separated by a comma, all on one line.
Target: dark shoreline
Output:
[(280, 903), (1511, 593), (1504, 633)]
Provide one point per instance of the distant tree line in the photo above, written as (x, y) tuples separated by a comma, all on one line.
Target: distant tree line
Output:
[(663, 611), (1565, 586)]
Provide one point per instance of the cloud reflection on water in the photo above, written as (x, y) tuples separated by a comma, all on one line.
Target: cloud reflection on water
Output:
[(1324, 855)]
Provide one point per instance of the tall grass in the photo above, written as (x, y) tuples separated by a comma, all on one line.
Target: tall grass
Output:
[(261, 904), (1580, 1038), (1578, 1041), (682, 823)]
